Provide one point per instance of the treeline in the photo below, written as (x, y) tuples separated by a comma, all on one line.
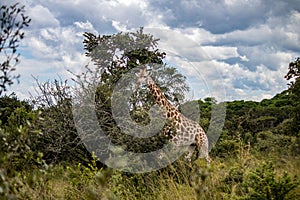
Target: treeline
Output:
[(268, 124)]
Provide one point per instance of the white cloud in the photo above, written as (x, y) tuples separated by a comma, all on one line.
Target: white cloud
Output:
[(177, 44), (42, 17), (39, 49), (242, 46), (221, 52), (119, 26), (199, 35), (85, 25)]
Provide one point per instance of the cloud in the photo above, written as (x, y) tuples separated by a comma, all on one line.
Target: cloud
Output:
[(42, 17), (252, 57), (178, 43), (53, 51), (99, 13), (222, 16), (248, 68), (241, 46), (214, 16), (221, 52), (282, 34), (265, 55)]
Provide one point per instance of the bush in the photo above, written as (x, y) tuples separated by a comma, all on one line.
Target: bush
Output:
[(264, 183), (19, 154), (227, 145), (268, 142), (8, 105)]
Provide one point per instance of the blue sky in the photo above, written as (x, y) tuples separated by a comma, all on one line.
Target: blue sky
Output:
[(231, 49)]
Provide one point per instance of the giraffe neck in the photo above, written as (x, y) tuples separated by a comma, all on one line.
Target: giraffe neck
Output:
[(160, 99)]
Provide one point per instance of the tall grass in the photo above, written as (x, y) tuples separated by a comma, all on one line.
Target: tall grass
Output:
[(244, 176)]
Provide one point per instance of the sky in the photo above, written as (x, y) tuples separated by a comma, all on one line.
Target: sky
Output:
[(229, 49)]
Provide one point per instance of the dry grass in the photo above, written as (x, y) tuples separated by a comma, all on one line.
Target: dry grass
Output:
[(221, 180)]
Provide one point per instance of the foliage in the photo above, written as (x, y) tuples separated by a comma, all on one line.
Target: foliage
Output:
[(294, 71), (264, 183), (19, 152), (8, 104), (60, 141), (117, 54), (294, 88), (19, 136), (154, 185), (268, 142), (13, 20), (114, 57)]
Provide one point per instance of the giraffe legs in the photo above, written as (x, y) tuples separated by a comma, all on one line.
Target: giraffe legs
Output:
[(190, 150), (202, 144), (204, 151)]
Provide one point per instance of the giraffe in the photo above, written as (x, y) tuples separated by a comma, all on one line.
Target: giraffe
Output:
[(187, 132)]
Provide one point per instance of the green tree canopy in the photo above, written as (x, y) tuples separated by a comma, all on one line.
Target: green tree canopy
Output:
[(8, 104), (294, 88), (294, 71), (116, 54), (114, 57)]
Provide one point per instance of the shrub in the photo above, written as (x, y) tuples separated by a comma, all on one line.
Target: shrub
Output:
[(264, 183), (268, 142)]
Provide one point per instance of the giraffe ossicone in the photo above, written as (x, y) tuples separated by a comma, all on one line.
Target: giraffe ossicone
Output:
[(187, 132)]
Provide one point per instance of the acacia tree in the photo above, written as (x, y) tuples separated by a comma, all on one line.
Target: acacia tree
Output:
[(294, 87), (12, 20), (116, 55)]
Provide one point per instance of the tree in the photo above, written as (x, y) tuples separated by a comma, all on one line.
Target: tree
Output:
[(294, 71), (116, 55), (60, 141), (12, 20), (294, 88), (8, 104)]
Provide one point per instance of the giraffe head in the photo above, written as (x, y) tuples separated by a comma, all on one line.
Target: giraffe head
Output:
[(143, 77)]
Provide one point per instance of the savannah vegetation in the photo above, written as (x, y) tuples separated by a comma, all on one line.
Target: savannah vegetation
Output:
[(42, 156)]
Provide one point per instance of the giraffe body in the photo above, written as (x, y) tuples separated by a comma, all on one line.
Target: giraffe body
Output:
[(187, 132)]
